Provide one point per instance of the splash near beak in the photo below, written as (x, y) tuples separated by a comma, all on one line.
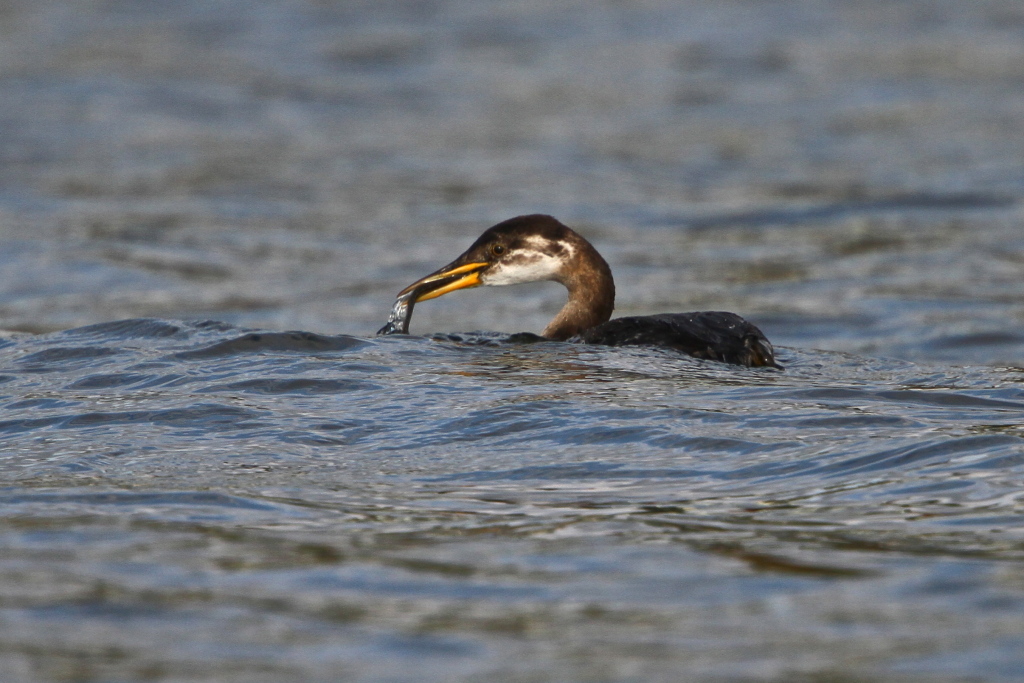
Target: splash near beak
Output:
[(448, 279)]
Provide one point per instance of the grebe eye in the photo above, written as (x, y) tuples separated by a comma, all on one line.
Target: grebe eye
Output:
[(497, 250)]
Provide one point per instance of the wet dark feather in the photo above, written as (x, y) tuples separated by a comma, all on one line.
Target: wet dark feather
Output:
[(712, 335)]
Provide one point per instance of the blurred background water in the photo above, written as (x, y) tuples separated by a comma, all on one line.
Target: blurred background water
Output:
[(192, 493)]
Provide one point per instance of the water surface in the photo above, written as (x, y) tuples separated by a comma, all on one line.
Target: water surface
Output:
[(203, 501), (191, 492)]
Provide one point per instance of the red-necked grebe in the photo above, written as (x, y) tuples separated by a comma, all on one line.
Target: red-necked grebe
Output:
[(538, 247)]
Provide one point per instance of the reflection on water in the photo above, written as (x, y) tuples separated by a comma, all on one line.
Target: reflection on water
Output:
[(228, 501)]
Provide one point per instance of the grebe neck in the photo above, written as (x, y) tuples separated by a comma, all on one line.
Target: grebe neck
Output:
[(591, 294)]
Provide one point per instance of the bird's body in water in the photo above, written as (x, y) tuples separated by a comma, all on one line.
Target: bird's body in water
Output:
[(538, 247)]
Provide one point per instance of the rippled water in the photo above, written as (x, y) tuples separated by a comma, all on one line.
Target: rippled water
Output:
[(192, 500), (228, 501)]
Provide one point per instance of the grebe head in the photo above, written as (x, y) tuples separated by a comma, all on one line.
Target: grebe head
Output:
[(530, 249), (521, 249)]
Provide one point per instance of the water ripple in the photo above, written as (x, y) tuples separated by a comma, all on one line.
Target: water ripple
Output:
[(355, 480), (258, 342)]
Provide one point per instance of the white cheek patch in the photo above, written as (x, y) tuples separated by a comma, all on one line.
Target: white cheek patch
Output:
[(542, 245), (531, 268)]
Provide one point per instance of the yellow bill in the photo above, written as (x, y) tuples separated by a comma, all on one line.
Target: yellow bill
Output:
[(470, 273)]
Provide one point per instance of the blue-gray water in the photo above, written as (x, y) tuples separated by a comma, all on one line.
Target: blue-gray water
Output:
[(190, 492)]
